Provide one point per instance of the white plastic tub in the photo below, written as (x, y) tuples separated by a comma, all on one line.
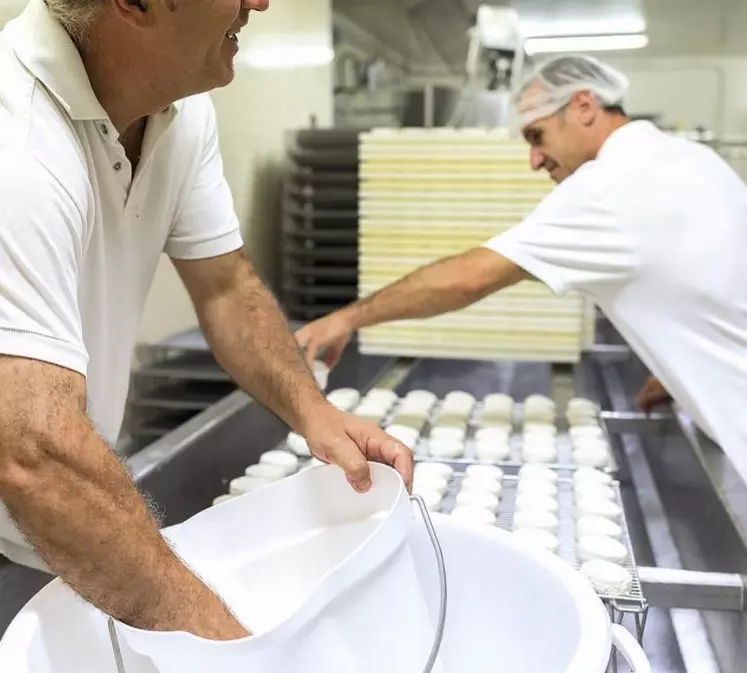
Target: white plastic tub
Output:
[(359, 593)]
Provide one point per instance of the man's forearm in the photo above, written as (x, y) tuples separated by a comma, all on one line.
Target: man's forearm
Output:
[(78, 508), (252, 341), (84, 517), (446, 285)]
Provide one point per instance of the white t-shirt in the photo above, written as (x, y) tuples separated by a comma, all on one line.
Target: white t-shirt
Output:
[(655, 230), (80, 236)]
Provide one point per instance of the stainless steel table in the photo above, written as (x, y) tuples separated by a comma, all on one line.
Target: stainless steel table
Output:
[(686, 508)]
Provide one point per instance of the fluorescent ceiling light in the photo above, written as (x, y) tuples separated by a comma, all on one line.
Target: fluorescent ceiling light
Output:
[(616, 25), (287, 56), (498, 27), (581, 43)]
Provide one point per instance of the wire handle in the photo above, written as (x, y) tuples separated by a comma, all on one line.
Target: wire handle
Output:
[(115, 646), (442, 603), (442, 580)]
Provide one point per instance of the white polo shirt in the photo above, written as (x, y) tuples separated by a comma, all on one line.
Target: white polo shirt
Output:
[(655, 230), (80, 235)]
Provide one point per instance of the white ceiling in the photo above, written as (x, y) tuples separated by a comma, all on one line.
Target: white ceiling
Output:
[(434, 31)]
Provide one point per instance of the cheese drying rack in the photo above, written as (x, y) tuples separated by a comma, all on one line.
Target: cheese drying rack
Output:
[(209, 452), (619, 605), (632, 602), (676, 510)]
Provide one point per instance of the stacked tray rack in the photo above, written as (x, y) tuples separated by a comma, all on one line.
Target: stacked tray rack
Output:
[(174, 380), (320, 222), (426, 194)]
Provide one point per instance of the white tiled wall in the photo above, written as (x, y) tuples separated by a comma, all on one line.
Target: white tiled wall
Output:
[(708, 90)]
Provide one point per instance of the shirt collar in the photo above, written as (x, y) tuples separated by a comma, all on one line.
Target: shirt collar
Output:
[(624, 136), (48, 52), (46, 49)]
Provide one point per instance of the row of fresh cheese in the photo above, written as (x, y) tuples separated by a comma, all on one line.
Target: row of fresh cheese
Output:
[(446, 424), (533, 512)]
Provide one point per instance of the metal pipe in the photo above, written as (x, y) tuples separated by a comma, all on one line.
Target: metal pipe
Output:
[(693, 590), (689, 628), (636, 422), (609, 352)]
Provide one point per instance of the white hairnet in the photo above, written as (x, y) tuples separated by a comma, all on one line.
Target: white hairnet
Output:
[(552, 84)]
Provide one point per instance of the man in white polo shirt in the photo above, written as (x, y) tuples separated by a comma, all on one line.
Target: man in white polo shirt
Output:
[(108, 158), (652, 227)]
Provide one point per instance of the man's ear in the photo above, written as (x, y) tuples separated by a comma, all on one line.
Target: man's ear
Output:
[(586, 107), (134, 12)]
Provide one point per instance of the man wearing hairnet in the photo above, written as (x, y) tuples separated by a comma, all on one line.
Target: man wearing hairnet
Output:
[(652, 227)]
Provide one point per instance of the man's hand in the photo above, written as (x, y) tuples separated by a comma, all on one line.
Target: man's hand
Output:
[(446, 285), (250, 339), (330, 334), (349, 442), (651, 395)]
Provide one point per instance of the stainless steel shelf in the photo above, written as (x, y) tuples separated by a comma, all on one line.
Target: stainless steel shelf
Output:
[(320, 220), (183, 368), (187, 396)]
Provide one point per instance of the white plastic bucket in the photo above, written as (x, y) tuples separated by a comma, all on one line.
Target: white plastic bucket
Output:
[(309, 565), (367, 607), (514, 608)]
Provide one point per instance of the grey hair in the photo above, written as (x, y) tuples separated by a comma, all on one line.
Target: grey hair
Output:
[(76, 16)]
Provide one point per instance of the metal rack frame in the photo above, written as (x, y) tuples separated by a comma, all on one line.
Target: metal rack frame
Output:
[(633, 602), (706, 608), (320, 222)]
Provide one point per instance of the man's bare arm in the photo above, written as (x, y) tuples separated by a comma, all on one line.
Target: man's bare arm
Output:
[(446, 285), (250, 336), (76, 505)]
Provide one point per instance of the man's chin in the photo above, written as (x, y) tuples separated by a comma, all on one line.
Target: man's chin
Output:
[(559, 175)]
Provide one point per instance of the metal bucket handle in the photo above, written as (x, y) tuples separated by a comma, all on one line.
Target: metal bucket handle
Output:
[(442, 605), (442, 581)]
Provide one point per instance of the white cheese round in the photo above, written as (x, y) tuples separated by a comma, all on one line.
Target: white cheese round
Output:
[(608, 579), (285, 459), (600, 547)]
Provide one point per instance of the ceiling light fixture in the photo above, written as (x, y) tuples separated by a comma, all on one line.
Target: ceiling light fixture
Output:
[(286, 56), (581, 43), (626, 24)]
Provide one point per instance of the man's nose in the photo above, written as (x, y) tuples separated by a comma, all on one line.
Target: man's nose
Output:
[(536, 158), (255, 5)]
